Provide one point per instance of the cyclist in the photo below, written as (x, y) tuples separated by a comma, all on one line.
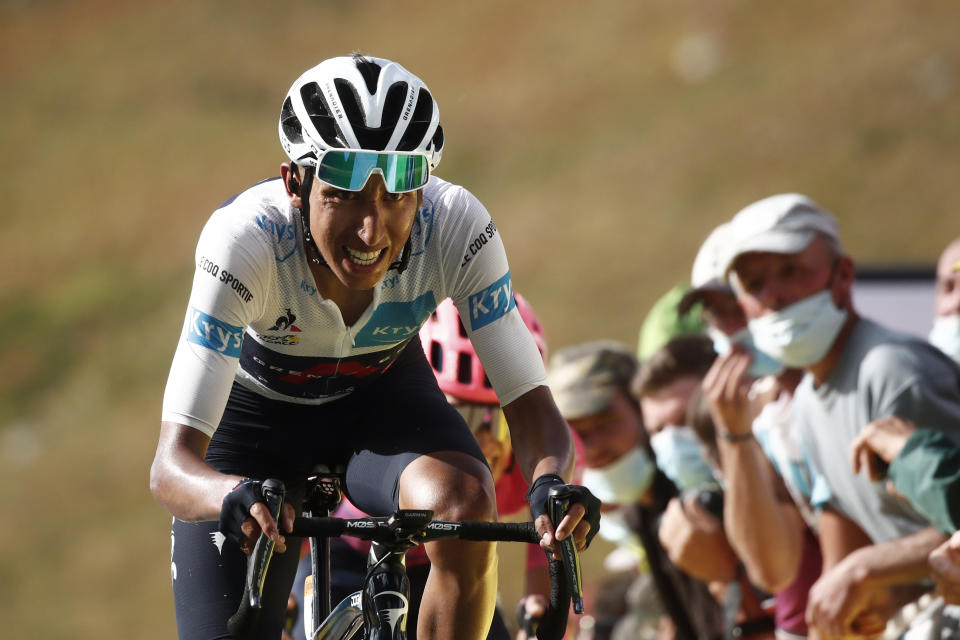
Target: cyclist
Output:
[(298, 348), (462, 379)]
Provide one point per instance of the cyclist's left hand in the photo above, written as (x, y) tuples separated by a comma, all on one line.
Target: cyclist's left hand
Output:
[(573, 522), (582, 519)]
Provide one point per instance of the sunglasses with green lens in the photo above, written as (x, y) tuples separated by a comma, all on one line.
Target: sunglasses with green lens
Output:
[(349, 169)]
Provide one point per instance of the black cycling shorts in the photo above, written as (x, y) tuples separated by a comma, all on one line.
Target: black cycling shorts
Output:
[(376, 432)]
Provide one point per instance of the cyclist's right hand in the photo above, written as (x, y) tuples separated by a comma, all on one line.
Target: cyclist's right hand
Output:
[(244, 515)]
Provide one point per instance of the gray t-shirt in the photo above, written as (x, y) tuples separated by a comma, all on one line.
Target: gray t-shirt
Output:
[(879, 373)]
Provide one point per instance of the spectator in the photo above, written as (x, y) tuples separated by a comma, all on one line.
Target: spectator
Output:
[(766, 496), (945, 334), (664, 322), (711, 296), (591, 384), (663, 386), (794, 283), (924, 467)]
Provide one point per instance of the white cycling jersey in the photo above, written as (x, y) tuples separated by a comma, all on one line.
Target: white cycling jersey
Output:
[(254, 302)]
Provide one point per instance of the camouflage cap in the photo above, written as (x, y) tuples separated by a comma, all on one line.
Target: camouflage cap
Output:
[(584, 377)]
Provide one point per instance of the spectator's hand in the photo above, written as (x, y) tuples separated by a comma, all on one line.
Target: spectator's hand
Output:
[(840, 605), (695, 541), (531, 607), (945, 569), (727, 387), (881, 440)]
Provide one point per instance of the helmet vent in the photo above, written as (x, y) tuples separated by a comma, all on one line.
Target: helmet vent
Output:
[(436, 355), (462, 330), (372, 137), (419, 122), (486, 382), (319, 114), (370, 71), (437, 142), (291, 125), (463, 368)]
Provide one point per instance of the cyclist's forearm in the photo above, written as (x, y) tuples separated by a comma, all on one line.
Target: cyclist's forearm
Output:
[(541, 438), (189, 488)]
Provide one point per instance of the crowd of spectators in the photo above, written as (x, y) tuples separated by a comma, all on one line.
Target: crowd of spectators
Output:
[(774, 463)]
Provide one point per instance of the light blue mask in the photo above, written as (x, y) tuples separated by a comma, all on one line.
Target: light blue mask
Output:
[(762, 364), (801, 334), (945, 335), (680, 457)]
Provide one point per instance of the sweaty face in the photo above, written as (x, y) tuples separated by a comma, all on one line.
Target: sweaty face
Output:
[(767, 282), (608, 435), (361, 233), (948, 281)]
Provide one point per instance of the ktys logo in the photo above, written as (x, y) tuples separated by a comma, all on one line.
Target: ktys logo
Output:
[(395, 322), (492, 303), (283, 236), (213, 333)]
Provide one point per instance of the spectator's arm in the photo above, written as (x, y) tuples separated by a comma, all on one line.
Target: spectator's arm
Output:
[(762, 524), (763, 531), (855, 594), (927, 472)]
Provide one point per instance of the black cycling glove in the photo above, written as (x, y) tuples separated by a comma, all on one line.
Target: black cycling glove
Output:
[(236, 507), (546, 484)]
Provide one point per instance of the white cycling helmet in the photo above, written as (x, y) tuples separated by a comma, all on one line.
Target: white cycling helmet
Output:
[(359, 102)]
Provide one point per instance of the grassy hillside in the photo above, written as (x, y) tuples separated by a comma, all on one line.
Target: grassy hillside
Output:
[(606, 139)]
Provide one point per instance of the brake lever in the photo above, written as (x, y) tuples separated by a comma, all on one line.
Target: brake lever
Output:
[(558, 503), (247, 615), (273, 494)]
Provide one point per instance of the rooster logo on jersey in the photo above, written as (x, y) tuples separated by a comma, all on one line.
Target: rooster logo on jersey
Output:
[(285, 322)]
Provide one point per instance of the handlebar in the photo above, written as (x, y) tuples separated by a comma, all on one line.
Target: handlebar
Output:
[(407, 528)]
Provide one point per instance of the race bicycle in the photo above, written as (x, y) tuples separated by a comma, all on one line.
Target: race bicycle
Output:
[(378, 611)]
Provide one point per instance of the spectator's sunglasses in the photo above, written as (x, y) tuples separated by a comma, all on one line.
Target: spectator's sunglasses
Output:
[(349, 169), (484, 417)]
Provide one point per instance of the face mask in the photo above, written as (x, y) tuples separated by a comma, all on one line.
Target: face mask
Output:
[(945, 335), (624, 480), (761, 366), (801, 334), (679, 457)]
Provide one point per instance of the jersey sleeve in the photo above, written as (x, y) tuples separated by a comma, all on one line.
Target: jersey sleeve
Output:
[(229, 286), (482, 290)]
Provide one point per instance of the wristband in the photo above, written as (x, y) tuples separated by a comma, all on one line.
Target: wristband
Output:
[(735, 437), (236, 508), (538, 492)]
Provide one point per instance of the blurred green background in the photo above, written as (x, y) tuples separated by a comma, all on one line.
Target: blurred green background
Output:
[(607, 139)]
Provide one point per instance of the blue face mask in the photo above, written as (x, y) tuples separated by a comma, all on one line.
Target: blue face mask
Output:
[(680, 457), (762, 364), (945, 335)]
